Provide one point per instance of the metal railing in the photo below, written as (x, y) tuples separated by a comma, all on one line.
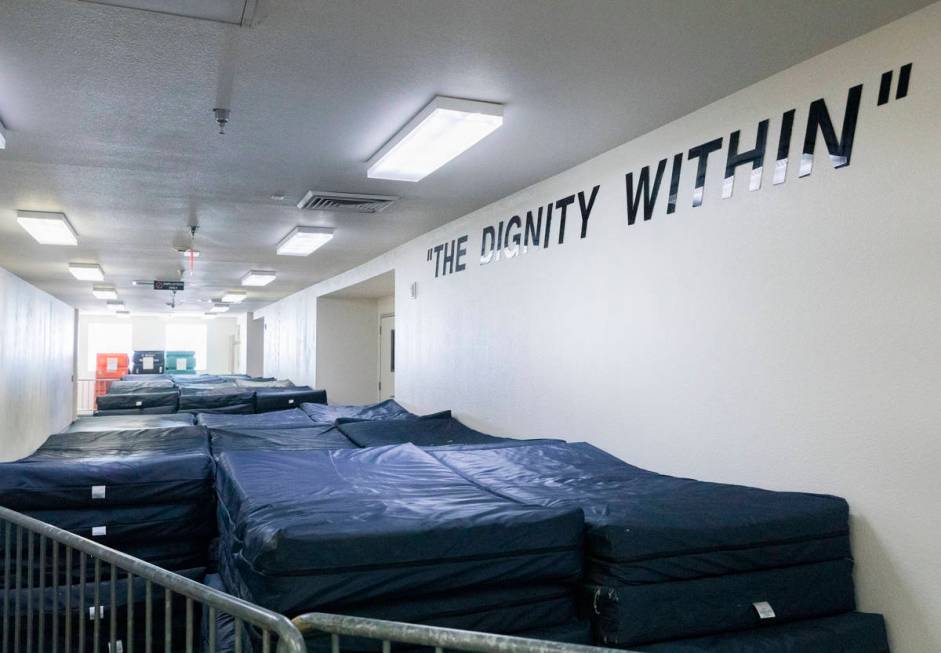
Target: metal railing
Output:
[(387, 633), (54, 581)]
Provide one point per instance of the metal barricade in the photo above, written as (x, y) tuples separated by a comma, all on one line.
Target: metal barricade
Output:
[(62, 592), (389, 633)]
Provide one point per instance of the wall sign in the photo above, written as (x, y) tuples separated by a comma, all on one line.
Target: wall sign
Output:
[(545, 226)]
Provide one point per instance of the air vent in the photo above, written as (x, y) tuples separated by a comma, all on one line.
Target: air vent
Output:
[(316, 200)]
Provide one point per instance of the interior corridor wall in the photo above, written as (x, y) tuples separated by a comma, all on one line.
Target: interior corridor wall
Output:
[(37, 336), (348, 349), (786, 338)]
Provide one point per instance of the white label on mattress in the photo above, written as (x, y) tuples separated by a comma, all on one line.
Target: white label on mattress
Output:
[(91, 612), (148, 362), (99, 531), (98, 491), (112, 364), (118, 647), (138, 403), (180, 363), (764, 610), (290, 401)]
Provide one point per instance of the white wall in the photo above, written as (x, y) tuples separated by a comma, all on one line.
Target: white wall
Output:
[(36, 363), (348, 349), (149, 333), (786, 338)]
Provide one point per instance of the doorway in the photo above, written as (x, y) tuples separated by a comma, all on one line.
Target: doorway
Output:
[(386, 356)]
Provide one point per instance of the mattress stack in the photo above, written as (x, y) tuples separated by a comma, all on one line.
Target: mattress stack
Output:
[(220, 398), (147, 492), (322, 413), (678, 559), (389, 532), (269, 399), (284, 430), (157, 396)]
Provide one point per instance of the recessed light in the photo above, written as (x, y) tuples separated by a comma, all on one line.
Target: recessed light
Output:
[(124, 314), (302, 241), (116, 305), (445, 128), (209, 316), (104, 292), (234, 297), (47, 228), (3, 137), (259, 278), (87, 271), (219, 308)]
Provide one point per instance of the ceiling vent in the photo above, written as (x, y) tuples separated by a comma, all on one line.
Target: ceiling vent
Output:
[(316, 200)]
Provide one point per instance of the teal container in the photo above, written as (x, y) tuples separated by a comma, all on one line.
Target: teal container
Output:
[(181, 362)]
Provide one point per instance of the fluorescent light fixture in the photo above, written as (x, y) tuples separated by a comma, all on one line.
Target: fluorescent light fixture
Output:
[(209, 316), (87, 271), (445, 128), (234, 297), (124, 314), (259, 278), (116, 305), (104, 292), (3, 137), (188, 252), (302, 241), (219, 308), (47, 228)]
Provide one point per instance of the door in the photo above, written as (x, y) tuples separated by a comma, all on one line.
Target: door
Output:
[(386, 357)]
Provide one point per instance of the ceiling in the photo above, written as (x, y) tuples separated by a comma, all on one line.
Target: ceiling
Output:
[(109, 112)]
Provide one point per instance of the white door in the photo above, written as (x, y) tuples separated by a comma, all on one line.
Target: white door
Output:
[(386, 357)]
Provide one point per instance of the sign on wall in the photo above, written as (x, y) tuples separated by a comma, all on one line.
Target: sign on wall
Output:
[(548, 225)]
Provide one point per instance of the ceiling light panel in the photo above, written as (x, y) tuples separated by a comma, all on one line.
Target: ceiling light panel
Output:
[(104, 292), (234, 297), (303, 241), (86, 271), (219, 308), (116, 306), (3, 137), (259, 278), (445, 128), (47, 228)]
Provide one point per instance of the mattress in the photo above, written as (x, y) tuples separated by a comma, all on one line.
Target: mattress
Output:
[(145, 386), (388, 409), (264, 383), (670, 557), (423, 432), (217, 400), (268, 399), (135, 523), (204, 379), (316, 436), (339, 526), (854, 632), (109, 468), (647, 527), (138, 401), (130, 422), (634, 614), (291, 418)]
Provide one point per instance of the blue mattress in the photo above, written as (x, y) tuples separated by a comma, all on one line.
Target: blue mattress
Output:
[(142, 387), (129, 422), (221, 399), (329, 413), (268, 399), (627, 615), (139, 401), (108, 468), (339, 526), (316, 436), (646, 527), (291, 418), (423, 432), (114, 524), (854, 632)]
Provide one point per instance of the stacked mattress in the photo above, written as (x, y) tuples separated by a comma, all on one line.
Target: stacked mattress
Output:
[(147, 492), (390, 532), (224, 398), (670, 558), (139, 398), (438, 429), (327, 414), (291, 418), (269, 399), (129, 422)]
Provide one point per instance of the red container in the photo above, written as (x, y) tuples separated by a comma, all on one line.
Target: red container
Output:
[(111, 366)]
